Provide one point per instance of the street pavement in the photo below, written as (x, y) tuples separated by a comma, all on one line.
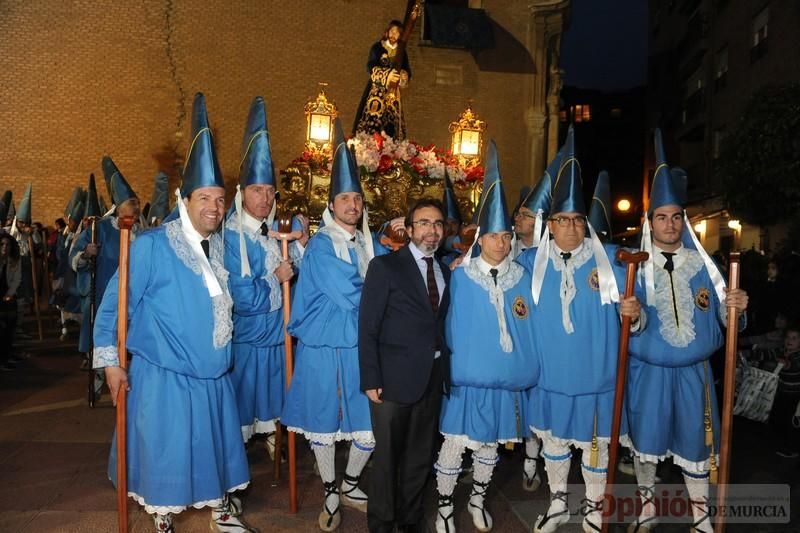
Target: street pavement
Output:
[(54, 451)]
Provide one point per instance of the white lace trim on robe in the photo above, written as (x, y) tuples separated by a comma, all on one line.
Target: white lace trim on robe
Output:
[(222, 303), (466, 442), (104, 356), (362, 437), (568, 291), (681, 333), (174, 509), (695, 467), (272, 256), (342, 244), (508, 275)]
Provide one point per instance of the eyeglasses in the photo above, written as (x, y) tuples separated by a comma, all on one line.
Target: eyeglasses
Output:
[(426, 224), (526, 215), (563, 222)]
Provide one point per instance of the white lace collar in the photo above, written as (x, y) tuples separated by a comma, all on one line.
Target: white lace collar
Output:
[(250, 223), (222, 304), (567, 290), (134, 228), (485, 267), (342, 233), (272, 255), (659, 259), (509, 274), (680, 332), (579, 256)]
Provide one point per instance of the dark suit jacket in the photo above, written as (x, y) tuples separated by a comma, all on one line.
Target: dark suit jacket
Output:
[(398, 332)]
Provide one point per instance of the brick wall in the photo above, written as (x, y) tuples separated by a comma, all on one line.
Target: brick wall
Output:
[(80, 79)]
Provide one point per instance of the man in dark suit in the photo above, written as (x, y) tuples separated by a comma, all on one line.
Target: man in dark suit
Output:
[(405, 368)]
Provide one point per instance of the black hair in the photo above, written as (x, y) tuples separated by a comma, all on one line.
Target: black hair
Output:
[(392, 23), (420, 204), (13, 247)]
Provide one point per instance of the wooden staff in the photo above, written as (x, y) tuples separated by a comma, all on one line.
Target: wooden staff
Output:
[(32, 255), (729, 382), (631, 261), (285, 234), (125, 224), (46, 287), (92, 308)]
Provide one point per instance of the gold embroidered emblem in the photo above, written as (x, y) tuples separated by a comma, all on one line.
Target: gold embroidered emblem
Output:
[(519, 308), (702, 299), (594, 280)]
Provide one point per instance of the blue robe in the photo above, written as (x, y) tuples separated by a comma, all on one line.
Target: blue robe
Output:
[(487, 401), (64, 272), (107, 261), (670, 369), (259, 365), (184, 441), (578, 369), (324, 401)]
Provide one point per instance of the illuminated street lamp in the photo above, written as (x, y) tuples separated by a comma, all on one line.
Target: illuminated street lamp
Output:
[(320, 114), (624, 205), (467, 131)]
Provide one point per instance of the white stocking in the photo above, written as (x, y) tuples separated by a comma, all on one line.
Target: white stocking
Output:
[(448, 466), (357, 460), (697, 485), (646, 479), (325, 455)]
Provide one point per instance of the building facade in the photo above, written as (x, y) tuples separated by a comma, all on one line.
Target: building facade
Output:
[(706, 60), (79, 80)]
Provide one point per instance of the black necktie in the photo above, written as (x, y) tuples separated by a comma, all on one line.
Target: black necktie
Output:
[(566, 256), (669, 266), (493, 272), (204, 244), (433, 289), (353, 238), (264, 229)]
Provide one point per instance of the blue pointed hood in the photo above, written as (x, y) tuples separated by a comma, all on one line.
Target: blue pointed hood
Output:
[(669, 185), (75, 197), (159, 204), (344, 173), (202, 167), (600, 208), (568, 185), (540, 197), (92, 205), (119, 186), (450, 201), (77, 205), (12, 211), (492, 216), (24, 211), (491, 174), (338, 132), (78, 209), (255, 166)]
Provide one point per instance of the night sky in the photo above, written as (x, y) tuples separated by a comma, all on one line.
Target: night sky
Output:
[(605, 46)]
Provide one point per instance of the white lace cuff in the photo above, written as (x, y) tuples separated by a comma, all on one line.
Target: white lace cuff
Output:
[(105, 356)]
